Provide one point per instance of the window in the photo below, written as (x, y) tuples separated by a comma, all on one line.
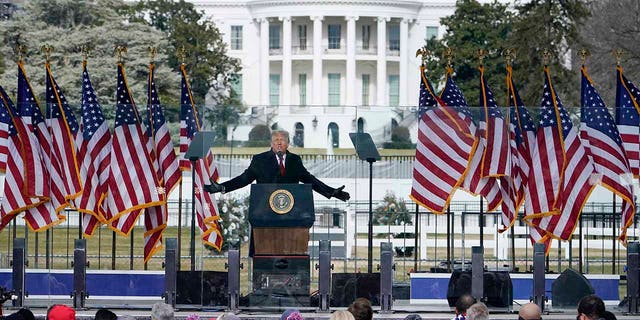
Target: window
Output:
[(302, 36), (236, 37), (274, 37), (274, 89), (432, 33), (394, 90), (334, 36), (366, 36), (235, 81), (394, 37), (334, 89), (333, 135), (302, 87), (365, 89), (298, 136)]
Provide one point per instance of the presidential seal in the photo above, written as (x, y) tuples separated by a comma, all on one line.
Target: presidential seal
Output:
[(281, 201)]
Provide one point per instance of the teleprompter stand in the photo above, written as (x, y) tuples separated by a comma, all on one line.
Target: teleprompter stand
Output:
[(366, 150), (198, 149)]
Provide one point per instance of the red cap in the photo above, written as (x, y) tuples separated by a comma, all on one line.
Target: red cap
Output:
[(61, 312)]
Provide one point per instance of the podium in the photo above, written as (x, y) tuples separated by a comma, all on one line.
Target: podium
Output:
[(280, 216)]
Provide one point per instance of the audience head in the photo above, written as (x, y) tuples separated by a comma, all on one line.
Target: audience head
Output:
[(478, 311), (13, 316), (105, 314), (529, 311), (590, 307), (341, 315), (463, 303), (26, 314), (413, 316), (291, 314), (61, 312), (608, 315), (361, 309), (161, 311)]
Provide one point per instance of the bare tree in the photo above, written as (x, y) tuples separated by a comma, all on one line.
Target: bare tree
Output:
[(614, 24)]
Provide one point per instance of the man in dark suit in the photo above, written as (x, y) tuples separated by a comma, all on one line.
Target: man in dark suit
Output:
[(277, 165)]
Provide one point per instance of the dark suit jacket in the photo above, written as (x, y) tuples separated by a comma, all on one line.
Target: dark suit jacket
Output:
[(264, 169)]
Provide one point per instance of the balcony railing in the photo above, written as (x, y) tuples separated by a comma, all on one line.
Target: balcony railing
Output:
[(340, 50), (367, 50), (302, 50), (275, 51)]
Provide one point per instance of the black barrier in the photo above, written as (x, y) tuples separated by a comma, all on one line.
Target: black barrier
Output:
[(346, 287), (170, 270), (324, 275), (386, 277), (79, 273), (234, 266), (477, 273), (539, 296), (18, 264), (633, 273)]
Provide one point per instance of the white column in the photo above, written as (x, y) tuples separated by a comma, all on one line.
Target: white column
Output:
[(316, 97), (404, 60), (381, 83), (264, 61), (351, 61), (286, 61)]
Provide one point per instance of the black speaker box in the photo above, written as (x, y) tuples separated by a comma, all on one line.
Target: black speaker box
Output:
[(346, 287), (497, 287), (202, 288), (569, 288)]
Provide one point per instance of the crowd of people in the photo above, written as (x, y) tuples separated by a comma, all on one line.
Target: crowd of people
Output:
[(590, 307)]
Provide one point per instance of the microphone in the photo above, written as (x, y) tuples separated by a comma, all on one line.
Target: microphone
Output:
[(280, 154)]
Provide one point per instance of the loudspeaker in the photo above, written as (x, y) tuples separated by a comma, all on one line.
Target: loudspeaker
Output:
[(569, 288), (498, 289), (189, 287), (346, 287), (215, 288), (202, 288)]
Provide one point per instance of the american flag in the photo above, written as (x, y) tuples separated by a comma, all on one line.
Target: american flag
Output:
[(628, 119), (522, 135), (205, 169), (166, 161), (50, 183), (575, 167), (443, 151), (94, 145), (474, 182), (133, 184), (493, 133), (604, 145), (63, 129), (14, 199), (5, 123)]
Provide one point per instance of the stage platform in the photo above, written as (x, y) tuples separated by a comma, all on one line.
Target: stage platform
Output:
[(141, 310)]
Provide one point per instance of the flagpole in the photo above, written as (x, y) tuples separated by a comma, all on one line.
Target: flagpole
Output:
[(192, 246), (179, 224), (415, 239)]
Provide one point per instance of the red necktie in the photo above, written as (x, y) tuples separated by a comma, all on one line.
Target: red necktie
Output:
[(281, 160)]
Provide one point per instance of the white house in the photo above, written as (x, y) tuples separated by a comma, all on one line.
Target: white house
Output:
[(326, 68)]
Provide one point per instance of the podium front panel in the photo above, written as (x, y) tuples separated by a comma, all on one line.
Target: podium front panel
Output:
[(281, 241), (281, 205)]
